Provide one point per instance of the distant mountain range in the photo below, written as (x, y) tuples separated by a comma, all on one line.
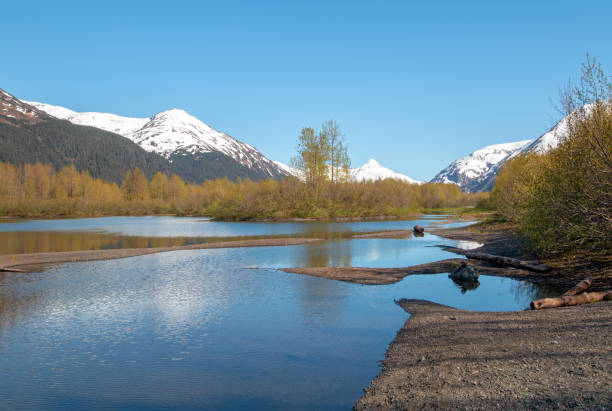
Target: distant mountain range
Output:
[(178, 142), (174, 141), (477, 172)]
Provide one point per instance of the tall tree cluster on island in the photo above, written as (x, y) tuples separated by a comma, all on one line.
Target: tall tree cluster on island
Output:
[(322, 155)]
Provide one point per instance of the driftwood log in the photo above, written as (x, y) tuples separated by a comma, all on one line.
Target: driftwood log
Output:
[(567, 300), (578, 288), (508, 261), (12, 270)]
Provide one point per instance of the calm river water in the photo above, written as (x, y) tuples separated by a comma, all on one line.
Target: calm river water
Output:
[(211, 329)]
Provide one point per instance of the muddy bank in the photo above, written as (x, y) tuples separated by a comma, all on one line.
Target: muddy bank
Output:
[(37, 260), (499, 240), (444, 358), (376, 276)]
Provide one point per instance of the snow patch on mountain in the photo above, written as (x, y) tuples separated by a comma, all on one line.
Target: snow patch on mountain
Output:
[(290, 171), (105, 121)]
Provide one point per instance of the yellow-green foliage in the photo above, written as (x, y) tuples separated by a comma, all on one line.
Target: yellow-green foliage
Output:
[(38, 190), (563, 200)]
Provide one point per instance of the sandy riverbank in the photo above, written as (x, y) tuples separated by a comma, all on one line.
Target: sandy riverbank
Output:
[(36, 260)]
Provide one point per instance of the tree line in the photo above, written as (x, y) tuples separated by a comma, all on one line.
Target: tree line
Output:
[(39, 190)]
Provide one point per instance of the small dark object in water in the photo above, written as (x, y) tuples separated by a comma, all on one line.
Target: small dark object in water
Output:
[(418, 229)]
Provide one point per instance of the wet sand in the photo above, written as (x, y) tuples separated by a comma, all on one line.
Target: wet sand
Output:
[(35, 261)]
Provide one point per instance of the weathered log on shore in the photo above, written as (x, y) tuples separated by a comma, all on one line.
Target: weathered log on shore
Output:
[(12, 270), (579, 288), (508, 261), (564, 301), (418, 229)]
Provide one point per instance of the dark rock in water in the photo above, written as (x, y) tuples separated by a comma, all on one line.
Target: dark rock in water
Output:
[(418, 229), (465, 276), (464, 273)]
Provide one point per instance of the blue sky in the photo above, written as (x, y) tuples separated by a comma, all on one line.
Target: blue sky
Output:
[(415, 85)]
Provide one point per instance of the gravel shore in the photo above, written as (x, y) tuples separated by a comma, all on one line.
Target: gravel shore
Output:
[(444, 358)]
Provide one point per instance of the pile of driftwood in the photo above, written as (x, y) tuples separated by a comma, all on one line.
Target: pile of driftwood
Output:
[(575, 296)]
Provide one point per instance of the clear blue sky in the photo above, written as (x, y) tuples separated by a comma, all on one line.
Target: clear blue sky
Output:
[(415, 85)]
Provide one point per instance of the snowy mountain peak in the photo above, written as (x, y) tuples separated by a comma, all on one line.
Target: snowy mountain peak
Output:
[(372, 171)]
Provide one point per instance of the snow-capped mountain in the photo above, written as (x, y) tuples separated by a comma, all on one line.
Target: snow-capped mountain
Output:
[(370, 171), (171, 132), (472, 172), (477, 171)]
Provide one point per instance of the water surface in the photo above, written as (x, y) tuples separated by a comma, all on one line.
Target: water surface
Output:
[(31, 236), (216, 329)]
